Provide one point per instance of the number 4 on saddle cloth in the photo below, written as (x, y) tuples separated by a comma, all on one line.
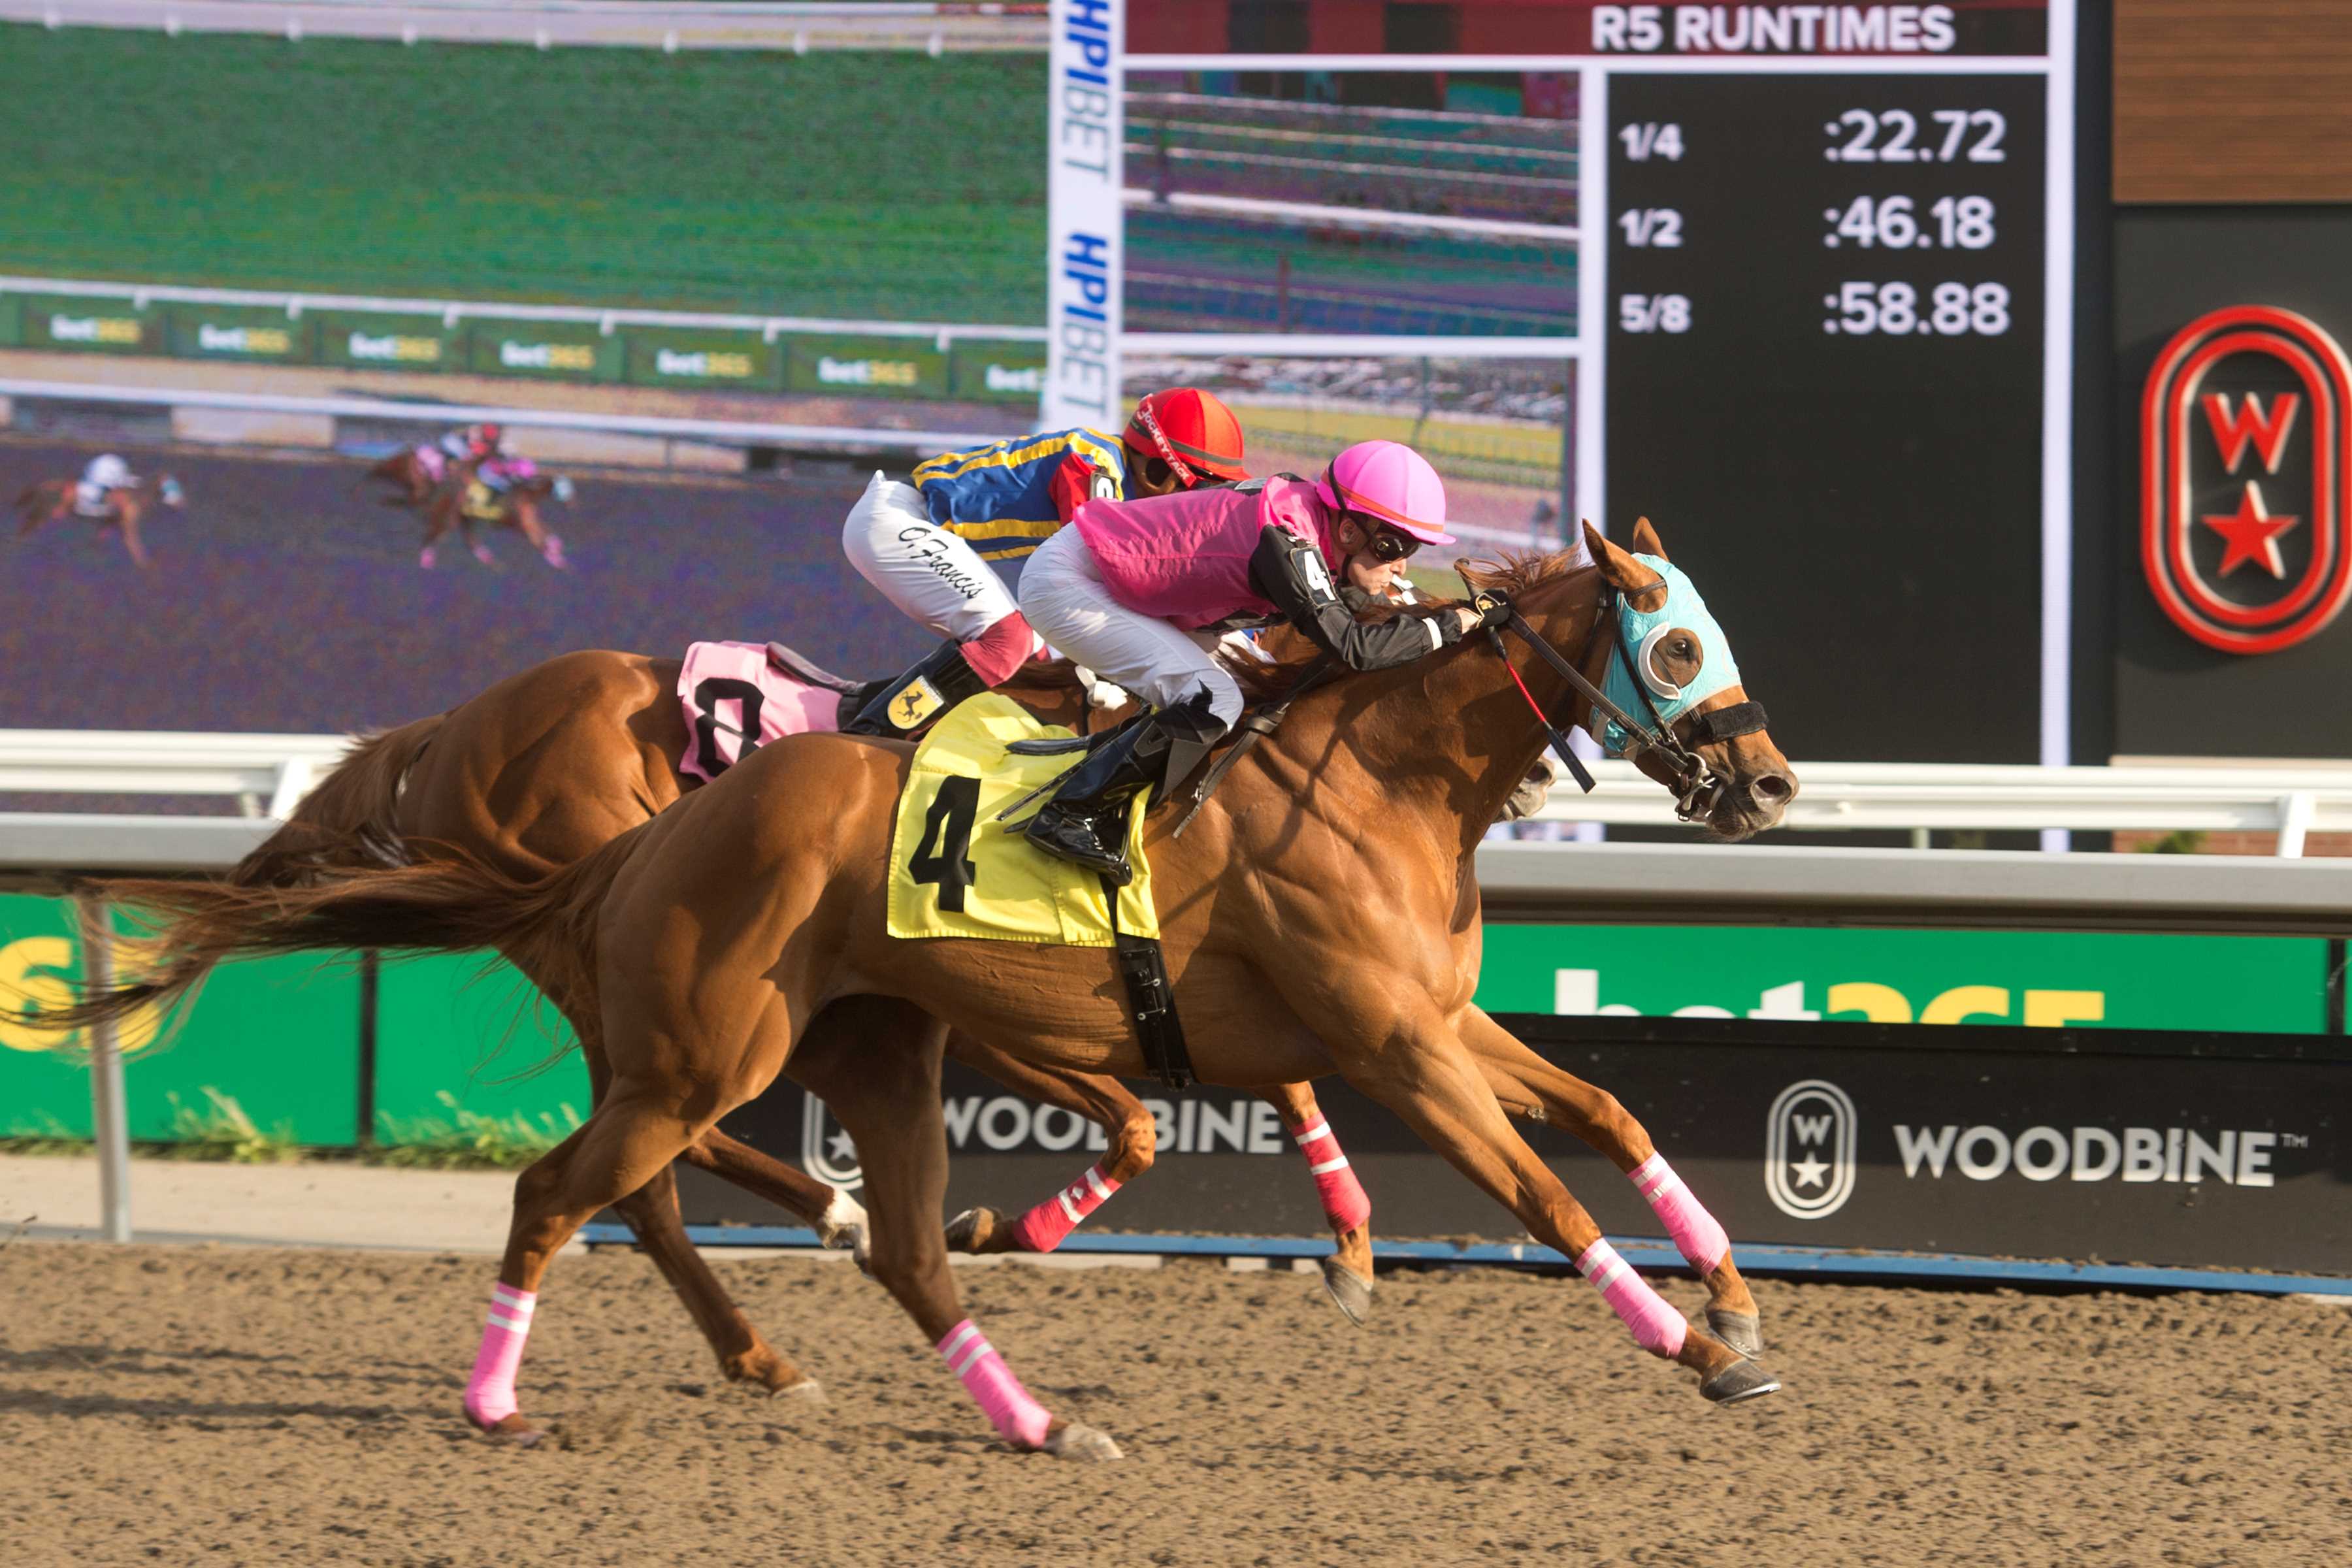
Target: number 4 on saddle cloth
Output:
[(956, 870)]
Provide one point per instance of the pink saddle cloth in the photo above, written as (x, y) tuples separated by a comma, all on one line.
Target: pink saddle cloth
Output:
[(738, 699)]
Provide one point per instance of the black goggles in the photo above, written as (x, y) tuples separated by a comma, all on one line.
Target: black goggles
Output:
[(1387, 543)]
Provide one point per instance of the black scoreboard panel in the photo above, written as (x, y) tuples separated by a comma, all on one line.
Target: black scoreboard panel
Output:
[(1824, 386)]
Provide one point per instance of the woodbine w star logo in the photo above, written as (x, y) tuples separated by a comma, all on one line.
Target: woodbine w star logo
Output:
[(2244, 480)]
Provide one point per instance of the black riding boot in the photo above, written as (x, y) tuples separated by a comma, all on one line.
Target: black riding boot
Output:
[(896, 709), (1086, 822)]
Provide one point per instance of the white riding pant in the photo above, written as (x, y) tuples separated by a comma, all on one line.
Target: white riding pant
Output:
[(931, 575), (1063, 594)]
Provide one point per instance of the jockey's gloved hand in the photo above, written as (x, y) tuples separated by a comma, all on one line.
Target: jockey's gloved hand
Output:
[(1494, 607), (1101, 694)]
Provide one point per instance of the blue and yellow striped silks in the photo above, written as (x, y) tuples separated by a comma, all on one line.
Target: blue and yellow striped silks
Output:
[(998, 498)]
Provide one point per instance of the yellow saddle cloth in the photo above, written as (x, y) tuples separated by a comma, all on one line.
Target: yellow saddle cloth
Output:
[(482, 503), (955, 870)]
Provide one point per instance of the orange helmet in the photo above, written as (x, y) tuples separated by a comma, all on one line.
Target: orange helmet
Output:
[(1195, 434)]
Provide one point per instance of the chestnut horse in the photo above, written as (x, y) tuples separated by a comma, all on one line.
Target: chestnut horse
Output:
[(552, 764), (741, 935), (53, 499), (463, 500), (415, 470)]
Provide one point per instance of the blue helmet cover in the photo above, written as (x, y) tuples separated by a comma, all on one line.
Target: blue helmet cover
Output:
[(1637, 631)]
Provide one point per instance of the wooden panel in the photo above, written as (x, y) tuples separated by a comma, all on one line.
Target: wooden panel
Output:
[(2233, 100)]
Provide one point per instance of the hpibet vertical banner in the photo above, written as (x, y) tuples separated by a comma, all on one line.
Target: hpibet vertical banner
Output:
[(1083, 131)]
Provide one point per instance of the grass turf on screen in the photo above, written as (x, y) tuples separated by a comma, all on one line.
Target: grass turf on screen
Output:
[(848, 184)]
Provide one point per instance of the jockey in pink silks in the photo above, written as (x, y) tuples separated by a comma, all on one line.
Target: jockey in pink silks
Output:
[(1137, 591)]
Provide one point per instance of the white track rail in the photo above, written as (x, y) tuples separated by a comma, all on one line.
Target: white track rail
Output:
[(840, 438), (2288, 800), (934, 29), (451, 312)]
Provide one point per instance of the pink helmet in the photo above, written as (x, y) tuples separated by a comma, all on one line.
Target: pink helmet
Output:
[(1391, 481)]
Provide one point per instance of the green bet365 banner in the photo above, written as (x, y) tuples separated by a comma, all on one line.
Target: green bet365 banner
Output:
[(2260, 984)]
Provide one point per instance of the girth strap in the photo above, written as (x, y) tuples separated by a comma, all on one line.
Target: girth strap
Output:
[(1151, 1000)]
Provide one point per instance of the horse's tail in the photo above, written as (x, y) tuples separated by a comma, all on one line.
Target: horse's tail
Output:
[(348, 820), (444, 906)]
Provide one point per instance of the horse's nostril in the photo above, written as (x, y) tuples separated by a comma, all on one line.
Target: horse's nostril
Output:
[(1773, 789)]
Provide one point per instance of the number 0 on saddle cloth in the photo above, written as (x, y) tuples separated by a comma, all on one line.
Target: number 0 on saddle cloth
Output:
[(955, 870)]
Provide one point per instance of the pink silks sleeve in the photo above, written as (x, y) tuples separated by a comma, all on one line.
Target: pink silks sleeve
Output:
[(1657, 1326), (1344, 1203), (491, 1392), (1044, 1227), (1703, 1243), (1019, 1418)]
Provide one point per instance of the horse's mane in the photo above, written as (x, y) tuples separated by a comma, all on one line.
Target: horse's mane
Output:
[(1513, 571)]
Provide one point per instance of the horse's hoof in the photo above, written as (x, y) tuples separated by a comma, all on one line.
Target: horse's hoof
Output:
[(514, 1430), (424, 558), (844, 1225), (973, 1229), (1349, 1291), (1082, 1443), (485, 557), (807, 1390), (1743, 1331), (1740, 1380)]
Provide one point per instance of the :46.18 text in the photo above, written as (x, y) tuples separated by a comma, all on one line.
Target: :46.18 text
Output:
[(1653, 312), (1954, 310)]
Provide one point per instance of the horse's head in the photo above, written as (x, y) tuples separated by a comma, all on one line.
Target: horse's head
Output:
[(1666, 638)]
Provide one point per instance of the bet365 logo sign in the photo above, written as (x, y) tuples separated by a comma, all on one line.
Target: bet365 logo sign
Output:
[(2245, 531)]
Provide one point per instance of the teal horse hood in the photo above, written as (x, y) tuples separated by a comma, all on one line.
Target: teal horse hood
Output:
[(1638, 632)]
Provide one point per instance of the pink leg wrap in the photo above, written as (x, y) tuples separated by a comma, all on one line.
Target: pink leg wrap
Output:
[(1344, 1203), (1000, 650), (1657, 1327), (1019, 1418), (1043, 1228), (491, 1393), (1695, 1232)]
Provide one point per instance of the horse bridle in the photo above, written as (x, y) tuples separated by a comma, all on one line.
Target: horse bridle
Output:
[(1698, 788)]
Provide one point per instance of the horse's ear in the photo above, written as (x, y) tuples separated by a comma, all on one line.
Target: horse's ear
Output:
[(1643, 588), (1646, 540)]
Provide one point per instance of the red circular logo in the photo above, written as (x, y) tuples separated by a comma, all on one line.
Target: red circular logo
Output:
[(2245, 490)]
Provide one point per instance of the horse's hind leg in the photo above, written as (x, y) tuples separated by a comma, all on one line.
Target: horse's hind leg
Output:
[(629, 1140), (652, 1213), (1347, 1272), (1527, 1084), (838, 1219), (886, 1093)]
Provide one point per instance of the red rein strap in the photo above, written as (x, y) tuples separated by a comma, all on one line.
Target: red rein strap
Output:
[(1568, 759), (1531, 696)]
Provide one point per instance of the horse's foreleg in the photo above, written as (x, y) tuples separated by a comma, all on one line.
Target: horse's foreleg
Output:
[(127, 520), (838, 1219), (1419, 1068), (652, 1213), (885, 1094), (436, 523), (1527, 1084), (629, 1140), (1131, 1137), (1347, 1272)]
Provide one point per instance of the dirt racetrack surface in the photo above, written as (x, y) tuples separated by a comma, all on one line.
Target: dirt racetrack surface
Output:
[(257, 1406)]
